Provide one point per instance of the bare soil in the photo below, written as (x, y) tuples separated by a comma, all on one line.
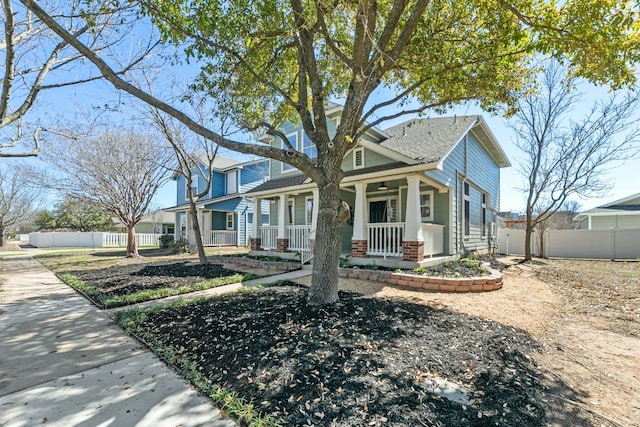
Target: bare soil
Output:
[(586, 317)]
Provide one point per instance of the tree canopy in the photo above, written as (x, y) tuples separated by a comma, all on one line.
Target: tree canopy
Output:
[(270, 61)]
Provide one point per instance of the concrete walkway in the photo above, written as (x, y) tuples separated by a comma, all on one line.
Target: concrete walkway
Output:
[(64, 363)]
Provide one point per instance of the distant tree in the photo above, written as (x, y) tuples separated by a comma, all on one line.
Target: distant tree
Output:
[(19, 198), (82, 216), (194, 157), (45, 220), (35, 61), (118, 171), (565, 158)]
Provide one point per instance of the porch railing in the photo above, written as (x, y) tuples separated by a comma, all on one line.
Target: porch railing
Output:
[(298, 236), (269, 236), (115, 240), (219, 237), (385, 239)]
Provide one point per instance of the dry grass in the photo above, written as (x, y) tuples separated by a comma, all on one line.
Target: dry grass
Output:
[(601, 289)]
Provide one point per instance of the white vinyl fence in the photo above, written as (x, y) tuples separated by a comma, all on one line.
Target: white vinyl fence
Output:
[(96, 239), (615, 243)]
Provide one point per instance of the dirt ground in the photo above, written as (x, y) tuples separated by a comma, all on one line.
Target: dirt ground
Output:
[(589, 334)]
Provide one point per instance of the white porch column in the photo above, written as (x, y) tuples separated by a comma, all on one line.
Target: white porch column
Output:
[(257, 215), (282, 215), (176, 226), (413, 240), (359, 214), (191, 238), (282, 241), (413, 222), (359, 237), (314, 214)]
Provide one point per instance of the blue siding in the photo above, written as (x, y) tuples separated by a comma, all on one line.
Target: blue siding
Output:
[(253, 175), (288, 128), (218, 185), (470, 161)]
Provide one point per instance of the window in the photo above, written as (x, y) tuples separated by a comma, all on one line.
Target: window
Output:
[(290, 212), (293, 140), (358, 158), (426, 206), (232, 182), (467, 211), (309, 147), (483, 215), (230, 221), (193, 186), (308, 210)]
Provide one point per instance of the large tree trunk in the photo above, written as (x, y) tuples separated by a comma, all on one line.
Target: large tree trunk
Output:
[(1, 236), (132, 248), (324, 279), (202, 257)]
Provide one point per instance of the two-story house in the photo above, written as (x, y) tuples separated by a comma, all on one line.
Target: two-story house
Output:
[(421, 188), (224, 214)]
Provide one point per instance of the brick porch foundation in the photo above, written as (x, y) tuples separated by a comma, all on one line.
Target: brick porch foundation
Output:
[(359, 248), (256, 243), (413, 251), (282, 245)]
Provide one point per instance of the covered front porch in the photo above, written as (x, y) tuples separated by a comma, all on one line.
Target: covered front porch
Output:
[(405, 218), (217, 228)]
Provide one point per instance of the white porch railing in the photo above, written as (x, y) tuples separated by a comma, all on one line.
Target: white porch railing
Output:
[(115, 240), (269, 236), (385, 239), (298, 236), (219, 237)]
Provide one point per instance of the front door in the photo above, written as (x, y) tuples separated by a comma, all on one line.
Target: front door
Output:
[(378, 211)]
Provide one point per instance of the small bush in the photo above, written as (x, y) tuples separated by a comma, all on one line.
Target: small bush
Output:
[(166, 241), (181, 246)]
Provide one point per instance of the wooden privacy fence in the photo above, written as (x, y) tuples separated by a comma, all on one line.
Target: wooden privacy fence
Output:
[(615, 243), (96, 239)]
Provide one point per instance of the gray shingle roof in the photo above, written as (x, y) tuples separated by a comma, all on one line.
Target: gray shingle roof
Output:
[(275, 184), (428, 140)]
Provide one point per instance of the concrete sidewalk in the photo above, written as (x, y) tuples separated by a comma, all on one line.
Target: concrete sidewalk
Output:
[(64, 363)]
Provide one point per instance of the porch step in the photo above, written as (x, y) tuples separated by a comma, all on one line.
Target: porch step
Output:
[(308, 267)]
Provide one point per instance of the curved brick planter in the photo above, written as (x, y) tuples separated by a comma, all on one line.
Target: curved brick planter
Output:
[(491, 282), (265, 265)]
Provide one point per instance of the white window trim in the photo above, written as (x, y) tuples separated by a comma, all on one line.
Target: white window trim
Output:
[(233, 221), (293, 212), (431, 205), (483, 216), (189, 184), (307, 221), (226, 181), (466, 198), (284, 147), (302, 148), (359, 150)]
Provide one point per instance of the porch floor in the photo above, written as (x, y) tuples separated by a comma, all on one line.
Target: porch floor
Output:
[(397, 262)]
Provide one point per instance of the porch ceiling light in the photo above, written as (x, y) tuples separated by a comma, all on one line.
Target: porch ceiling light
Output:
[(382, 186)]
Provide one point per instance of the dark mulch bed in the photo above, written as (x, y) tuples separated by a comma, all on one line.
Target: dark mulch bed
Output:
[(358, 363), (120, 280)]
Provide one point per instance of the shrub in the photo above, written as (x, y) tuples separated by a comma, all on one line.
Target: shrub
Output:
[(166, 241), (181, 246)]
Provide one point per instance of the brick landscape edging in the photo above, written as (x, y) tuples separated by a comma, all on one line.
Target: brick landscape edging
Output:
[(491, 282), (256, 263)]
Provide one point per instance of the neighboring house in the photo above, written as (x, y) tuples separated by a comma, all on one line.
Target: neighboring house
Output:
[(421, 188), (225, 216), (623, 213), (156, 222)]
